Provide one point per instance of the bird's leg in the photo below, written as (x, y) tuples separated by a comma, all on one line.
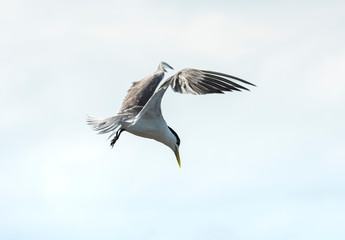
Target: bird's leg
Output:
[(113, 141)]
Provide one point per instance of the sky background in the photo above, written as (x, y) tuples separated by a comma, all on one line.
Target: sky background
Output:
[(266, 164)]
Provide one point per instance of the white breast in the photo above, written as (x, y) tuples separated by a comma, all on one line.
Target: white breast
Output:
[(149, 128)]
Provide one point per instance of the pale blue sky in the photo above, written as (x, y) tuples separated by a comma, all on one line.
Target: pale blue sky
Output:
[(266, 164)]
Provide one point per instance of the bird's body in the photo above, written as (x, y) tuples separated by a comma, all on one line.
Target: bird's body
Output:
[(140, 112)]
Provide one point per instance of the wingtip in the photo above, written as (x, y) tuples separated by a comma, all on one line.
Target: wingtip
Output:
[(163, 64)]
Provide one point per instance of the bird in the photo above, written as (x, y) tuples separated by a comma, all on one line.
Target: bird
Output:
[(140, 112)]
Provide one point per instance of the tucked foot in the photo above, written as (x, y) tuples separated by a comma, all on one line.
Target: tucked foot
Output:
[(113, 141), (118, 133)]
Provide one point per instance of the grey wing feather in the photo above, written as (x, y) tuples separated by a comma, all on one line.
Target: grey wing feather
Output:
[(196, 81), (152, 109), (136, 98), (139, 93)]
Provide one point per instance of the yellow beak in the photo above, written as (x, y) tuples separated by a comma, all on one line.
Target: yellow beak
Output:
[(177, 157)]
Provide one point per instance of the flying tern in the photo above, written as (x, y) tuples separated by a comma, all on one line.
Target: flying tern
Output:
[(141, 114)]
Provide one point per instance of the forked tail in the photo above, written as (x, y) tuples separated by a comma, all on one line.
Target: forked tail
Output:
[(104, 125)]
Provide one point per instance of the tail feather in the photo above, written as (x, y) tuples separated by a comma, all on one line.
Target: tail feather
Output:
[(104, 125)]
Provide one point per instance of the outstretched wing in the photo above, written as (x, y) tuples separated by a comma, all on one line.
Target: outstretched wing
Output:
[(139, 94), (196, 81), (192, 81)]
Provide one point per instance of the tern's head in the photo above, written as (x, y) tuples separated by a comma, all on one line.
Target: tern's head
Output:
[(174, 144), (163, 65)]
